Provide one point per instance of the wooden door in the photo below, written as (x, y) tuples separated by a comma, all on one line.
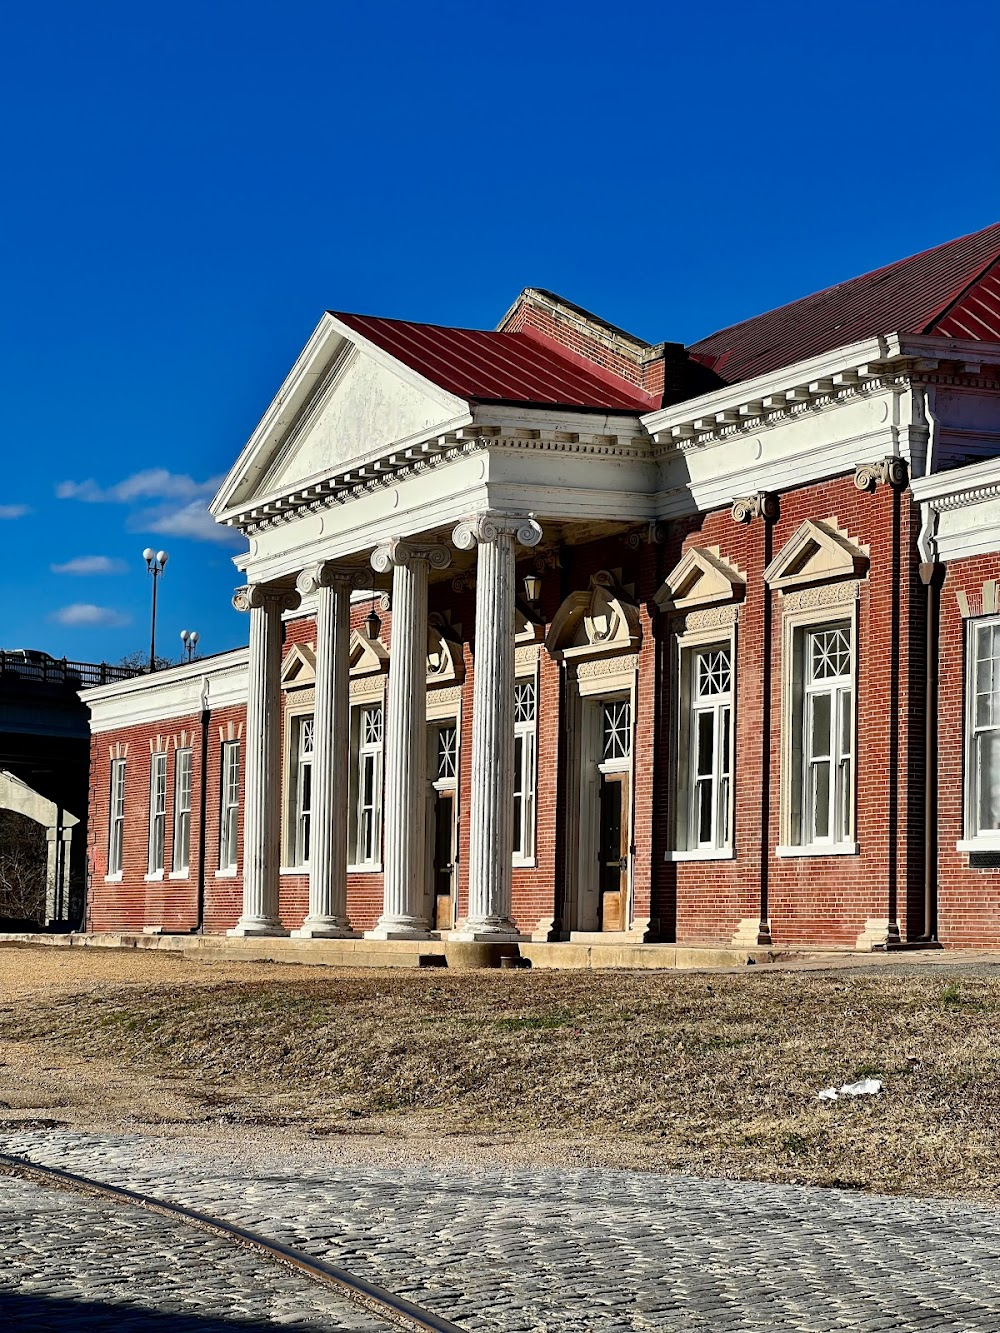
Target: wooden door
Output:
[(613, 851), (444, 860)]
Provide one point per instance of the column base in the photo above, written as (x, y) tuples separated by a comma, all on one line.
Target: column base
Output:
[(247, 927), (325, 928), (489, 930), (399, 928)]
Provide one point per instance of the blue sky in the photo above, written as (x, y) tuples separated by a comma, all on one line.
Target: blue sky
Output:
[(187, 187)]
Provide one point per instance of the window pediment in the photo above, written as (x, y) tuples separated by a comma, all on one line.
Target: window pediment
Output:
[(367, 657), (700, 578), (299, 667), (818, 552), (445, 661), (599, 621)]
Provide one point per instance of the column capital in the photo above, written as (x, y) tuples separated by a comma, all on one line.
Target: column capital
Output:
[(328, 574), (488, 525), (253, 595), (398, 552)]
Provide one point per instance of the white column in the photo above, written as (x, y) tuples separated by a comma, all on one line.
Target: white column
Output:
[(331, 753), (491, 814), (262, 760), (404, 815)]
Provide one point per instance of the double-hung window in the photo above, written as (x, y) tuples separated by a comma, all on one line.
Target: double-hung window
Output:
[(366, 838), (818, 815), (116, 818), (704, 748), (182, 812), (710, 747), (525, 719), (157, 811), (303, 731), (982, 800), (229, 806)]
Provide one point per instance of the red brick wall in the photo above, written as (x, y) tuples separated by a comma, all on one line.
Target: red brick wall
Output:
[(968, 885)]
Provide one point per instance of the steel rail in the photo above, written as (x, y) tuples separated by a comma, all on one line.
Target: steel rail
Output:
[(373, 1298)]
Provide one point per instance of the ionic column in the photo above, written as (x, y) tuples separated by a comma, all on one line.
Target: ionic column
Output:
[(404, 827), (262, 760), (331, 752), (491, 814)]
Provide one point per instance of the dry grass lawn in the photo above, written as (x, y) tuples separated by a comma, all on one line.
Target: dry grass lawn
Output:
[(703, 1073)]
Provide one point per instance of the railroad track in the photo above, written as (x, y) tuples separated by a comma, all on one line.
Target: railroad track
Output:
[(376, 1300)]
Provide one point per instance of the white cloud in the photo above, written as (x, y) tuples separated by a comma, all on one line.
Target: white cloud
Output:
[(180, 509), (14, 511), (85, 613), (154, 483), (91, 564), (190, 520)]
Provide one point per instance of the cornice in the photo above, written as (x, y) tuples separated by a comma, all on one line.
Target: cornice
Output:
[(958, 488)]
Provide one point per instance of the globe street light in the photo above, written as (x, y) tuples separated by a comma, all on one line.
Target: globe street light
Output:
[(189, 638), (156, 563)]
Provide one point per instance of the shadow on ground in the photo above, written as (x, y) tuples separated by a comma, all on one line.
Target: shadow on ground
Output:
[(43, 1313)]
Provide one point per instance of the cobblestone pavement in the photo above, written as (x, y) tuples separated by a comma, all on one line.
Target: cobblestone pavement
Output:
[(555, 1250), (71, 1262)]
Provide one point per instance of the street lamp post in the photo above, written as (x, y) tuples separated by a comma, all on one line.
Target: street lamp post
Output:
[(156, 563), (189, 638)]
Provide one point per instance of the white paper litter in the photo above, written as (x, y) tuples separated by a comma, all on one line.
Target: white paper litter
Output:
[(865, 1087)]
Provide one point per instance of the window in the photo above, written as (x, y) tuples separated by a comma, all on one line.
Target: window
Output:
[(230, 805), (116, 820), (983, 732), (182, 812), (446, 768), (616, 731), (710, 748), (366, 838), (525, 712), (157, 811), (820, 757), (303, 731)]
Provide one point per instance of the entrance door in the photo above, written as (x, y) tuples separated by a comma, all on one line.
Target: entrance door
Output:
[(613, 851), (444, 860)]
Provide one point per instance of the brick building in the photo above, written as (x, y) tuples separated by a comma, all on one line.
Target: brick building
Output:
[(556, 633)]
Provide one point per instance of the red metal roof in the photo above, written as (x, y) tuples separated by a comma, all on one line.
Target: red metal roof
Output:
[(498, 367), (953, 290)]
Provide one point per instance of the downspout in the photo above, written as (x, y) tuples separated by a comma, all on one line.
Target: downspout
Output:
[(206, 717), (931, 576), (769, 515)]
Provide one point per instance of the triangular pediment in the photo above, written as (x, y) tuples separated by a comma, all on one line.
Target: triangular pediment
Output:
[(299, 667), (367, 656), (345, 401), (445, 661), (817, 552), (700, 578)]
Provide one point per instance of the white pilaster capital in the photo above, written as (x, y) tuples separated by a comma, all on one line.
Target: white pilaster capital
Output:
[(255, 595), (487, 527), (327, 574), (399, 552)]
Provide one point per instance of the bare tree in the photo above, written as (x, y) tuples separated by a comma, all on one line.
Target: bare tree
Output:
[(23, 868)]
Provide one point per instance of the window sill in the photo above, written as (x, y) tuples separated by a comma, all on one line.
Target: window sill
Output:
[(365, 869), (820, 849), (226, 874), (116, 878), (181, 874), (525, 863), (153, 877), (703, 854), (293, 870), (980, 844)]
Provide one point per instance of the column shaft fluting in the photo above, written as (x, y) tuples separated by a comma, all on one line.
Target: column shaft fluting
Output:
[(331, 755), (491, 813), (261, 769), (404, 911)]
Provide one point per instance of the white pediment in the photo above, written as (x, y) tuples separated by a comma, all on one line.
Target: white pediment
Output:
[(817, 552), (601, 620), (367, 656), (299, 667), (345, 401), (700, 578), (445, 660)]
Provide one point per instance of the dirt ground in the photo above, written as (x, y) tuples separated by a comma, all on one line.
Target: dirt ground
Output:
[(706, 1073)]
